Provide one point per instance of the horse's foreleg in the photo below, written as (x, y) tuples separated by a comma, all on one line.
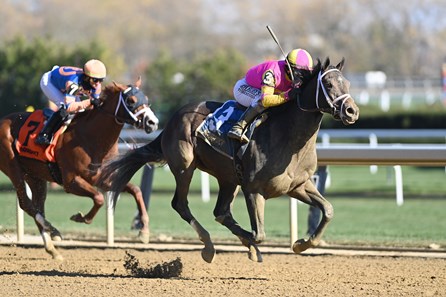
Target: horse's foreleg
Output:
[(255, 204), (135, 191), (314, 198), (79, 186)]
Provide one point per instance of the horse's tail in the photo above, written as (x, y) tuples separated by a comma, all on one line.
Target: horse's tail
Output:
[(118, 172)]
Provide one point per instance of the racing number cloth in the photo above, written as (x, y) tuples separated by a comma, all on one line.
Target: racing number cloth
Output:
[(25, 144)]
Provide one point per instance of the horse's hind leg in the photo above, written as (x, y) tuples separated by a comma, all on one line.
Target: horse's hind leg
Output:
[(135, 191), (38, 188), (180, 204), (223, 215), (314, 198), (39, 192)]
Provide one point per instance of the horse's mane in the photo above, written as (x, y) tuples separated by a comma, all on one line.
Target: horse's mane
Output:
[(108, 90)]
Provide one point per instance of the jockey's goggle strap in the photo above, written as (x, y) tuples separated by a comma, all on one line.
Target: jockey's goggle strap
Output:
[(330, 102)]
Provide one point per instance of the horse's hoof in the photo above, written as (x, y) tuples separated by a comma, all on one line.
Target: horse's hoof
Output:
[(55, 235), (301, 245), (144, 236), (208, 254), (78, 218), (254, 254), (58, 257)]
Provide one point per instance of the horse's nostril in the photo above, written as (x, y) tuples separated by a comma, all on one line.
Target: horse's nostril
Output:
[(350, 111)]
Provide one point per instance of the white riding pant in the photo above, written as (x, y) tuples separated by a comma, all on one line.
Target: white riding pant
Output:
[(53, 93), (245, 94)]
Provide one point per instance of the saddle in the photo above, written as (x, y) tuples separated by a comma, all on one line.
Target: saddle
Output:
[(25, 142), (214, 129)]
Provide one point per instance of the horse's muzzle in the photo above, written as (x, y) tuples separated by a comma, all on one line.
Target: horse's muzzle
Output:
[(349, 113), (149, 125)]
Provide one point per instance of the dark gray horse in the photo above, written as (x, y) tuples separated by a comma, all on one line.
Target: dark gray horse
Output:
[(279, 160)]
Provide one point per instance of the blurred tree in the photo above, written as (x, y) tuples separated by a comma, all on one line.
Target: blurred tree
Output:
[(399, 37), (173, 83)]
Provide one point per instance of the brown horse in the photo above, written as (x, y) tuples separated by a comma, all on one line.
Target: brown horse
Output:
[(279, 159), (89, 140)]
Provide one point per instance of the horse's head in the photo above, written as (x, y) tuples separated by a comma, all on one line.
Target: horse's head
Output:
[(133, 107), (331, 94)]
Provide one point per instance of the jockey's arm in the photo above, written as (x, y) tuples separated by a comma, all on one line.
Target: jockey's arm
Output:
[(70, 99), (269, 98)]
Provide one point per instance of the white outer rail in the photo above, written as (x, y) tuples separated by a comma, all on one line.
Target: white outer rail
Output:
[(379, 154), (329, 154)]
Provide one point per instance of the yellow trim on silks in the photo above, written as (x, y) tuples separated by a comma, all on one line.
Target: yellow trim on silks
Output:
[(270, 99)]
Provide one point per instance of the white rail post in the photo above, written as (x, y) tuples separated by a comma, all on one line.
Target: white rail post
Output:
[(293, 221), (399, 185), (110, 225), (20, 223), (205, 188), (373, 140)]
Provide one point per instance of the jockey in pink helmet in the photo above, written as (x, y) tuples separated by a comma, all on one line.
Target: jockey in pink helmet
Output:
[(68, 87), (265, 85)]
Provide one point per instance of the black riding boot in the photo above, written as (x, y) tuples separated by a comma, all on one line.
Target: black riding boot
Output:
[(237, 131), (52, 125)]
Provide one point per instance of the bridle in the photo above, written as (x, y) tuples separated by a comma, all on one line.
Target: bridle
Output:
[(132, 109), (330, 101)]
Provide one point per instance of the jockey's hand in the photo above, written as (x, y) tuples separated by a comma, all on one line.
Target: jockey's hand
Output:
[(95, 102), (297, 83)]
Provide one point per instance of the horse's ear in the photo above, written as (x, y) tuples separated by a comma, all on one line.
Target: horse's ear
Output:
[(138, 82), (326, 63), (340, 66), (119, 86)]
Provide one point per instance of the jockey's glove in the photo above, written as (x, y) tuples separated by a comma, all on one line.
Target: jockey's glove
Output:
[(95, 102)]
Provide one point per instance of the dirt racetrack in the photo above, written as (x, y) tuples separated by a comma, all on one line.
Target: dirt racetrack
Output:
[(29, 271)]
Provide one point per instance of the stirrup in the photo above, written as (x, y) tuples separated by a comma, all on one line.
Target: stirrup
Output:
[(241, 137), (43, 139), (235, 134)]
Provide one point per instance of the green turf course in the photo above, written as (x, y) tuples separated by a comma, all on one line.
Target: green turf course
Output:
[(365, 210)]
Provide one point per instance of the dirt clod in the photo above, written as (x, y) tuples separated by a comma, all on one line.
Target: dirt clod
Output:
[(163, 270)]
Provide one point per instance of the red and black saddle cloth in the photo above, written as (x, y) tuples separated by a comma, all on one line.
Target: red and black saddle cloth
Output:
[(25, 143)]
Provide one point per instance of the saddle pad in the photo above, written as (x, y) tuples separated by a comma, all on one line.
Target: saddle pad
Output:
[(25, 142), (215, 127)]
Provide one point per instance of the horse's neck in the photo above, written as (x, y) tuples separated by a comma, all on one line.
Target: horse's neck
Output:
[(305, 127), (295, 123), (100, 129)]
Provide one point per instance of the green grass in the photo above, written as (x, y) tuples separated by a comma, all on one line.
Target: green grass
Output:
[(365, 210)]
